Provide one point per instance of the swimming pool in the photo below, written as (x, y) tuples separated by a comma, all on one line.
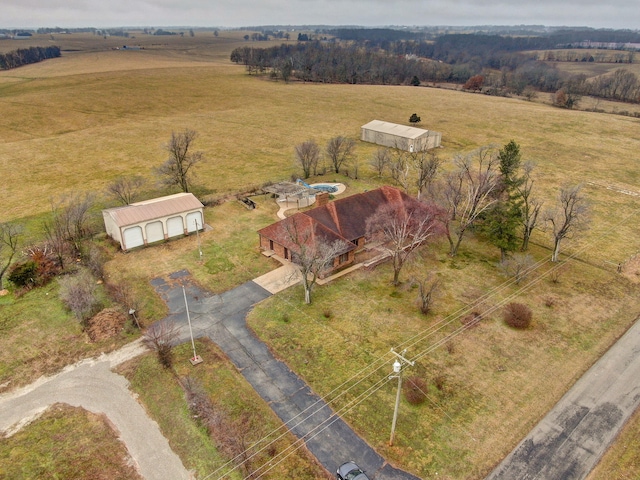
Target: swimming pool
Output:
[(325, 188)]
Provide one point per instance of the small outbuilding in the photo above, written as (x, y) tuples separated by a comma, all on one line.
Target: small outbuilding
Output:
[(393, 135), (154, 220)]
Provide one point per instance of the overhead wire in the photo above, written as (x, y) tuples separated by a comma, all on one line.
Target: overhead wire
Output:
[(418, 338)]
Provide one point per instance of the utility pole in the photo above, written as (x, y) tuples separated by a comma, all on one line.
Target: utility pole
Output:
[(397, 370), (196, 358)]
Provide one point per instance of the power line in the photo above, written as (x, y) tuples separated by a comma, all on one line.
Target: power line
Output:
[(418, 338)]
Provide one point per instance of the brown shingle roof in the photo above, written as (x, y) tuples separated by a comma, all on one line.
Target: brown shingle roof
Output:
[(344, 219), (285, 231), (348, 216), (154, 208)]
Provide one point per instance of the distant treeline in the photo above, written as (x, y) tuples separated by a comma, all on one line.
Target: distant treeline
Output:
[(402, 63), (500, 62), (25, 56), (376, 34)]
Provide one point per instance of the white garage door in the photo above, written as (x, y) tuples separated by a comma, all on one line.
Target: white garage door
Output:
[(155, 232), (194, 218), (175, 227), (132, 237)]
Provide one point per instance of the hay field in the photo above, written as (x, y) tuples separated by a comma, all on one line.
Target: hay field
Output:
[(76, 123)]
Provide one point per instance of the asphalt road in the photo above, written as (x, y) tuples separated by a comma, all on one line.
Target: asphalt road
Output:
[(568, 443), (222, 319)]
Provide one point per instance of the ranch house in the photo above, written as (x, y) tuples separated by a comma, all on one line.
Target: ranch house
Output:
[(154, 220), (344, 219), (410, 139)]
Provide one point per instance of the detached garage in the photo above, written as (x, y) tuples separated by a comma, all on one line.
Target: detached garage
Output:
[(154, 220), (411, 139)]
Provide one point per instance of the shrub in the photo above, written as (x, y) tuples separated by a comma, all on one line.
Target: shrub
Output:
[(440, 382), (79, 294), (415, 390), (161, 337), (327, 313), (471, 320), (24, 274), (517, 315)]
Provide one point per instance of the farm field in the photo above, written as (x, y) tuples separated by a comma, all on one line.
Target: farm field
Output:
[(73, 124)]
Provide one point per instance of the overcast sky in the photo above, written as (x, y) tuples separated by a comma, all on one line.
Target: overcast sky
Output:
[(236, 13)]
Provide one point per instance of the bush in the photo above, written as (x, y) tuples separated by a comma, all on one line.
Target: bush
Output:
[(471, 320), (79, 294), (161, 337), (24, 274), (517, 315), (415, 390)]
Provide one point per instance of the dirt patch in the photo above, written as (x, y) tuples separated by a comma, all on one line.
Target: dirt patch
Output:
[(106, 324)]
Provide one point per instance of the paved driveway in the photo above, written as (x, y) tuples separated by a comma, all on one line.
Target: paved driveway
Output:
[(574, 435), (222, 319)]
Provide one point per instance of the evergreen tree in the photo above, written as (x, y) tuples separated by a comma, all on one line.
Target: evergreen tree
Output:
[(500, 226)]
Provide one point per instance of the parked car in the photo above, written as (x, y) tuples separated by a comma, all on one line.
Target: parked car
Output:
[(351, 471)]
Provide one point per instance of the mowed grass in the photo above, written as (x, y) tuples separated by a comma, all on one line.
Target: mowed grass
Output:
[(66, 442), (488, 385), (160, 392), (40, 337)]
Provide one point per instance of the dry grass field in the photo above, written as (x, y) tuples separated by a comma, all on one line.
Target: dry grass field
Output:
[(75, 123)]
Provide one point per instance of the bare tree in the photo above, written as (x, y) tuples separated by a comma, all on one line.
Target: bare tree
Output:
[(307, 155), (400, 168), (177, 170), (69, 224), (161, 337), (402, 228), (468, 192), (568, 217), (380, 160), (340, 151), (9, 239), (530, 206), (517, 266), (426, 163), (125, 189), (427, 289), (313, 254)]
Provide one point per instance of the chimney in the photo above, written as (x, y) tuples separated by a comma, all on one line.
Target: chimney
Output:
[(322, 198)]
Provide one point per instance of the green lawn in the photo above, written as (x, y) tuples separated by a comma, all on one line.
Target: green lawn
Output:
[(66, 442), (271, 449), (487, 385), (40, 337)]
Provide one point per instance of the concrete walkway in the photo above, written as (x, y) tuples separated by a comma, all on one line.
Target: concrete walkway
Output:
[(92, 385), (222, 319), (569, 442)]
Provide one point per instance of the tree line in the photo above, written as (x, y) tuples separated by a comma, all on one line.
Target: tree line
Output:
[(504, 68), (26, 56), (489, 191)]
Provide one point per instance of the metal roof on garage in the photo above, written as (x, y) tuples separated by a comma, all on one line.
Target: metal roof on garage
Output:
[(395, 129), (155, 208)]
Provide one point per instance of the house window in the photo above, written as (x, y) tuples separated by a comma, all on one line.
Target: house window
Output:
[(343, 258)]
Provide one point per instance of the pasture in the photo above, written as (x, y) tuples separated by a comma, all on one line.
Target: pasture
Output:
[(75, 123)]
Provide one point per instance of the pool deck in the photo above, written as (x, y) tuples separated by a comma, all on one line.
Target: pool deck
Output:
[(306, 202)]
